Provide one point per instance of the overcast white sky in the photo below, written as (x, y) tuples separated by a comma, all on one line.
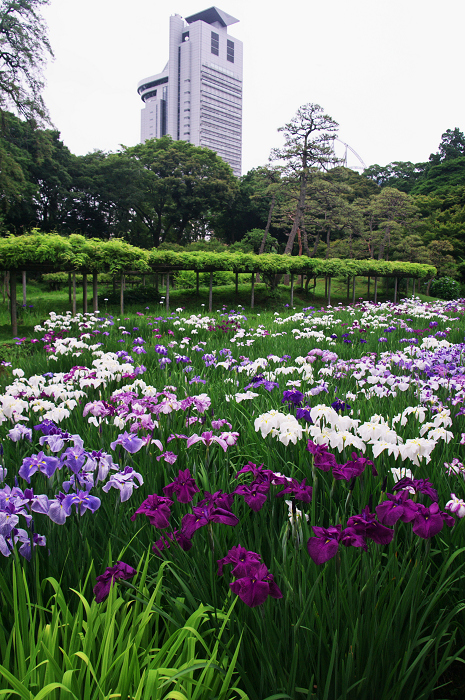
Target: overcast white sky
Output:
[(390, 72)]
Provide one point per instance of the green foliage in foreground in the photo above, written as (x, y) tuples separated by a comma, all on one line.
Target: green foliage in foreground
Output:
[(142, 646)]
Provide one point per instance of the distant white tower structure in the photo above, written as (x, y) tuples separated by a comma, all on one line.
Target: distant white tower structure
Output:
[(198, 95)]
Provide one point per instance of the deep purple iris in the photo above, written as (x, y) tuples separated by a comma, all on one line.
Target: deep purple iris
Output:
[(397, 507), (325, 544), (420, 485), (183, 486), (105, 581), (242, 560), (322, 459), (166, 540), (366, 525), (205, 514), (255, 587), (254, 494), (429, 521), (293, 397), (156, 509), (301, 491)]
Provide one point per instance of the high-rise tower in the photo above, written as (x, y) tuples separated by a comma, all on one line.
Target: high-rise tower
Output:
[(198, 95)]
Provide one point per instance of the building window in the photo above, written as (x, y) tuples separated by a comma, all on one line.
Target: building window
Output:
[(230, 51), (215, 43), (185, 36)]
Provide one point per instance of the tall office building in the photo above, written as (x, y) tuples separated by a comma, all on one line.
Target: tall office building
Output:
[(198, 95)]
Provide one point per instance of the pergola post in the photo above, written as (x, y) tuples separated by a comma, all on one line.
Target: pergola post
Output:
[(95, 291), (292, 289), (74, 294), (353, 289), (121, 295), (210, 293), (167, 291), (252, 297), (84, 293), (14, 318), (414, 280), (329, 291), (395, 290), (376, 289), (348, 287), (23, 275), (156, 282)]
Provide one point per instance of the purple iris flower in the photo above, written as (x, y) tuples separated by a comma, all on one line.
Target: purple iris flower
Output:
[(429, 521), (322, 459), (183, 486), (83, 501), (139, 350), (340, 406), (161, 349), (38, 463), (74, 458), (125, 482), (301, 491), (165, 541), (156, 509), (420, 485), (366, 525), (242, 560), (353, 468), (129, 441), (397, 507), (58, 510), (113, 573), (254, 494), (293, 397), (260, 474), (205, 514), (255, 587), (325, 544), (19, 432), (304, 414)]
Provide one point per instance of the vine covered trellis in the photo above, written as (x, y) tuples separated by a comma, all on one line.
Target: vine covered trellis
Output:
[(49, 252)]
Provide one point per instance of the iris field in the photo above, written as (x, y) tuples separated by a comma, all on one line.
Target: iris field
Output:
[(235, 505)]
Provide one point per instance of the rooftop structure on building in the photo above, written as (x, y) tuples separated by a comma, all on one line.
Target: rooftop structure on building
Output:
[(197, 97)]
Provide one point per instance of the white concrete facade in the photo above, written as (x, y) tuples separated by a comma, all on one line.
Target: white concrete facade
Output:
[(198, 95)]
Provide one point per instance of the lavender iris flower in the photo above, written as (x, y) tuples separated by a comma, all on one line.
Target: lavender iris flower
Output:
[(83, 501), (59, 510), (130, 442), (125, 482), (19, 432), (41, 463)]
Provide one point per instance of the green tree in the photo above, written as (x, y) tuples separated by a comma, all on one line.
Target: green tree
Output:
[(402, 175), (24, 49), (172, 185), (307, 147), (452, 146)]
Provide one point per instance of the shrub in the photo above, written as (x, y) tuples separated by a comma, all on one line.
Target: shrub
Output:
[(445, 288)]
